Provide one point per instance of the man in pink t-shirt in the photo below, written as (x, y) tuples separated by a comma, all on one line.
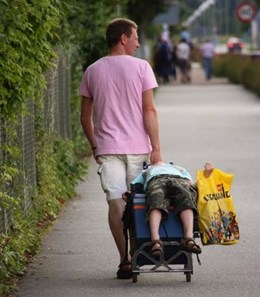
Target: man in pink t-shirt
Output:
[(120, 121)]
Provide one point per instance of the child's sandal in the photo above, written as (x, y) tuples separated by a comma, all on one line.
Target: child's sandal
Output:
[(189, 245), (157, 248)]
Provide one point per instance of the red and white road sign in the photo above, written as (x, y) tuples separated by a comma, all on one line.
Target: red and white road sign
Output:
[(246, 11)]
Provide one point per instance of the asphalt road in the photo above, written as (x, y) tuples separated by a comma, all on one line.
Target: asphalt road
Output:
[(216, 122)]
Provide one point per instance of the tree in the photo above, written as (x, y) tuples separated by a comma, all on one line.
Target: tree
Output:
[(87, 27), (143, 12)]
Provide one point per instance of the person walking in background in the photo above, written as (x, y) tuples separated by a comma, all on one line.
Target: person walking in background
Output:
[(183, 60), (120, 121), (163, 56), (163, 60), (185, 35), (207, 52), (174, 62)]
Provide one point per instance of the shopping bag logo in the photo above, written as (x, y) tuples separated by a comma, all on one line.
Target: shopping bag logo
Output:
[(220, 187), (220, 194)]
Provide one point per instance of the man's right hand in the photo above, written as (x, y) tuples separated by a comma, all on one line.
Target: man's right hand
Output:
[(156, 157), (96, 158)]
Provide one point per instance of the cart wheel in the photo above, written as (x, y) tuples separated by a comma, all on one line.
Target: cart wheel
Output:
[(134, 277), (188, 276)]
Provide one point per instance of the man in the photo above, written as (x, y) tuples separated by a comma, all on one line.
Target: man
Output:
[(207, 51), (120, 121)]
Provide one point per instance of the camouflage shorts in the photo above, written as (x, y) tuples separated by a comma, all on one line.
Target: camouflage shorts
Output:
[(166, 190)]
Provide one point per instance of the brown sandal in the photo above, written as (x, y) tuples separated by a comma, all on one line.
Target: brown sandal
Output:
[(125, 270), (189, 245), (157, 248)]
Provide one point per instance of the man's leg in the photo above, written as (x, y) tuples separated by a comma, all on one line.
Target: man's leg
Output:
[(113, 181), (210, 68), (115, 213), (207, 66)]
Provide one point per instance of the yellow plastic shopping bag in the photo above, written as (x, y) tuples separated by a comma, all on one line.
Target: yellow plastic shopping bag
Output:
[(217, 218)]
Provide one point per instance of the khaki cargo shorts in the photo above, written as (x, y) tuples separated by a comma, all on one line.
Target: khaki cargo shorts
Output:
[(118, 171)]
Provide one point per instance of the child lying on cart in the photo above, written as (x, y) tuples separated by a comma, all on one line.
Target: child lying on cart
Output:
[(167, 184)]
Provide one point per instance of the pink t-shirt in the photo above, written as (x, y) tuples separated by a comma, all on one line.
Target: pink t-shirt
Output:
[(116, 84)]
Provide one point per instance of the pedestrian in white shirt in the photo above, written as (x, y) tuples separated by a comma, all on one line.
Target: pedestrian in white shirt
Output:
[(183, 60)]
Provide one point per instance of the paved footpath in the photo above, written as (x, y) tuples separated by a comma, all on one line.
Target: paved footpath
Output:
[(204, 121)]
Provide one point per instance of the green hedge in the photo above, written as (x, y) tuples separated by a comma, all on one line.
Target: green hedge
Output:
[(31, 31), (239, 69)]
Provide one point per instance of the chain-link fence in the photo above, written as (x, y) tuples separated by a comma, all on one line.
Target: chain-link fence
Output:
[(57, 118)]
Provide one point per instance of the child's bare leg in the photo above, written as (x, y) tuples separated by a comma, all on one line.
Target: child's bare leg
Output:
[(187, 218), (188, 243), (154, 222)]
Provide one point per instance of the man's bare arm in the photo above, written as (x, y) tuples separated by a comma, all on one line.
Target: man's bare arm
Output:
[(87, 123), (152, 125)]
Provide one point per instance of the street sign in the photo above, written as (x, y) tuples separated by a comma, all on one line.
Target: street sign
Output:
[(246, 11)]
